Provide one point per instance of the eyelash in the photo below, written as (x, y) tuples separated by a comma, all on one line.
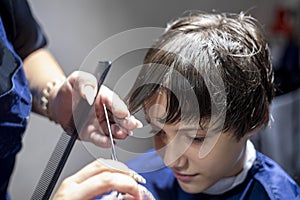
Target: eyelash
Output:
[(198, 139)]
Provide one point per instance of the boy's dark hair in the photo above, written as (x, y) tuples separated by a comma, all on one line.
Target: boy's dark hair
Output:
[(224, 60)]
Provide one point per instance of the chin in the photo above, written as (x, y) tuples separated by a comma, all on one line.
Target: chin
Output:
[(192, 188)]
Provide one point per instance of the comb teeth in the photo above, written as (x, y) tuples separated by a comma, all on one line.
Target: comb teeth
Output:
[(54, 167)]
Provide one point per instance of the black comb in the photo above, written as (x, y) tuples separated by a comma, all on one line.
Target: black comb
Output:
[(66, 142)]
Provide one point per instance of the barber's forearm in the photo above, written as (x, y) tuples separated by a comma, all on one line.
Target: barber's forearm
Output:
[(41, 69)]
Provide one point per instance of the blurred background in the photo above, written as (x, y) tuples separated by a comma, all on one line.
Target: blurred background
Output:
[(75, 27)]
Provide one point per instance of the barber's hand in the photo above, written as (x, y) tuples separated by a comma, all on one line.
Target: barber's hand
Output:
[(84, 85), (101, 177)]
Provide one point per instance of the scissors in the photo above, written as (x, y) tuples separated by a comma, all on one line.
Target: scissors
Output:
[(119, 196), (113, 149)]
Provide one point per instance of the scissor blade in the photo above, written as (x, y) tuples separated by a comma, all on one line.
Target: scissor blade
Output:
[(113, 150)]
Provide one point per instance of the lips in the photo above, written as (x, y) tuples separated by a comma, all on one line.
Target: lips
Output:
[(184, 177)]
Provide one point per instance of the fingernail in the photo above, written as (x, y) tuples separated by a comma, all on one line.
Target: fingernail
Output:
[(138, 177), (145, 194), (139, 124), (89, 94), (116, 129), (130, 133)]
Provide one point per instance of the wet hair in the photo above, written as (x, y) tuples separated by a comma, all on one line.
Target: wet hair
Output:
[(208, 65)]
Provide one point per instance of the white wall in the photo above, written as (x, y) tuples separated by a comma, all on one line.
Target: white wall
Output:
[(74, 28)]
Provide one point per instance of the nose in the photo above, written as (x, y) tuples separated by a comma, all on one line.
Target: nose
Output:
[(173, 155)]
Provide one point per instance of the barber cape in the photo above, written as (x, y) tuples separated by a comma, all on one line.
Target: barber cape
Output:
[(263, 180)]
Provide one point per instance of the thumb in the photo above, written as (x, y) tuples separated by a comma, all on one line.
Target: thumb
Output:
[(87, 84), (89, 92)]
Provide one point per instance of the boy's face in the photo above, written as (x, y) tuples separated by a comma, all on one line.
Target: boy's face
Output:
[(180, 146)]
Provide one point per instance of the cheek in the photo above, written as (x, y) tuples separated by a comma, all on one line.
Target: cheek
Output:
[(222, 161), (205, 164)]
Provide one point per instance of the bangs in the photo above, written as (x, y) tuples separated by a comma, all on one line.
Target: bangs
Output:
[(183, 85), (189, 76), (177, 108)]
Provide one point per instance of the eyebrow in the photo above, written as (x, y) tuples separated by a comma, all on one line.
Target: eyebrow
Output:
[(190, 129), (180, 129)]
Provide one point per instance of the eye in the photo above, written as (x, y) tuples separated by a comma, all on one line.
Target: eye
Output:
[(197, 140)]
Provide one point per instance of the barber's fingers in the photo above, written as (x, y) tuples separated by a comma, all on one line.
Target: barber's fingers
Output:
[(120, 132), (93, 132), (144, 194), (116, 107), (112, 101), (102, 176), (108, 181), (88, 171), (130, 122), (105, 165), (95, 136), (98, 184), (97, 132)]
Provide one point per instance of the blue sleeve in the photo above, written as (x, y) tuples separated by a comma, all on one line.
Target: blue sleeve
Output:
[(21, 28)]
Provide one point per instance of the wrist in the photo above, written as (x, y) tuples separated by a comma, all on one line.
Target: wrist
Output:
[(47, 96)]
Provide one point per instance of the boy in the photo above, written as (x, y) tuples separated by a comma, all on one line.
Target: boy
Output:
[(206, 87)]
